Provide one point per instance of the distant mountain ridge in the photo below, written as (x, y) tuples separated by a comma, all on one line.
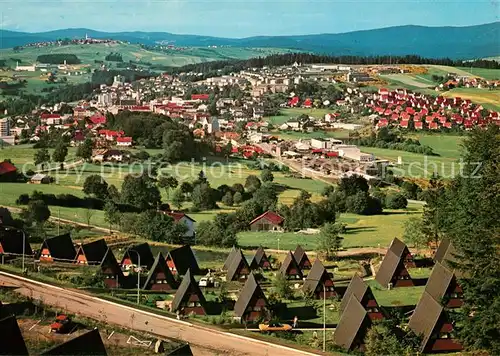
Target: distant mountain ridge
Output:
[(469, 42)]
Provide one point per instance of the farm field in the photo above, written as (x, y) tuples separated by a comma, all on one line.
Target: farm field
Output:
[(490, 99), (409, 80), (489, 74)]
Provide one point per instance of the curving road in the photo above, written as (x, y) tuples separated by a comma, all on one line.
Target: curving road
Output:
[(203, 340)]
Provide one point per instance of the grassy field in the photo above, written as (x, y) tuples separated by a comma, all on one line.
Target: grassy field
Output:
[(489, 74), (293, 135), (24, 154), (362, 231), (409, 80), (396, 296), (490, 99)]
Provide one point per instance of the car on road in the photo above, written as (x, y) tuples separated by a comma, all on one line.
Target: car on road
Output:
[(61, 325), (272, 327)]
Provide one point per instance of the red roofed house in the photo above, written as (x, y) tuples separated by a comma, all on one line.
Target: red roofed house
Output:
[(269, 221), (98, 119), (419, 125), (124, 141), (8, 172), (307, 103), (202, 97), (293, 102), (183, 219)]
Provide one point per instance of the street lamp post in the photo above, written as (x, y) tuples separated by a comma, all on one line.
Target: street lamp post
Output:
[(278, 244), (138, 276)]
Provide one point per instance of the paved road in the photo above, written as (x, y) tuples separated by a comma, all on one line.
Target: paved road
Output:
[(204, 341)]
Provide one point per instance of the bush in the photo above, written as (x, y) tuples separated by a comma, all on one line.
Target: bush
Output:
[(396, 201)]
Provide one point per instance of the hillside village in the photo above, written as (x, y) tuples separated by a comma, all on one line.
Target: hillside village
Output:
[(319, 246)]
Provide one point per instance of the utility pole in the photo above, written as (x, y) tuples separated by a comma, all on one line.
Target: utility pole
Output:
[(324, 317)]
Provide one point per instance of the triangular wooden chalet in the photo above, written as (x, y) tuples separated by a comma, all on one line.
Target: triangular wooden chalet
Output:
[(431, 322), (132, 253), (401, 250), (317, 278), (58, 249), (159, 277), (353, 326), (392, 270), (11, 339), (252, 303), (91, 253), (113, 275), (290, 267), (11, 242), (238, 269), (86, 344), (300, 256), (444, 287), (229, 258), (189, 299), (260, 260), (181, 259), (363, 293)]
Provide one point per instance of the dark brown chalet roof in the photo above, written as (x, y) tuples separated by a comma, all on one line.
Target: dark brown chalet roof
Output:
[(447, 255), (315, 276), (229, 258), (109, 262), (188, 286), (60, 247), (439, 281), (94, 251), (388, 268), (160, 266), (250, 289), (289, 263), (442, 250), (11, 339), (238, 261), (398, 247), (12, 242), (353, 320), (299, 254), (144, 250), (260, 254), (184, 259), (425, 317), (357, 288), (86, 344)]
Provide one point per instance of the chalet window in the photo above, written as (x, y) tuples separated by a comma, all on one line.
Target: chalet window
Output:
[(257, 309), (193, 304), (372, 310)]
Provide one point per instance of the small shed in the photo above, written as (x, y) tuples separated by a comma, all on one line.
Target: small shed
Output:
[(363, 293), (260, 260), (131, 256), (443, 286), (352, 327), (269, 221), (40, 178), (159, 277), (91, 253), (238, 269), (113, 275)]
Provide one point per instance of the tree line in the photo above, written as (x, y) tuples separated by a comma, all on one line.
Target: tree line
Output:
[(58, 58)]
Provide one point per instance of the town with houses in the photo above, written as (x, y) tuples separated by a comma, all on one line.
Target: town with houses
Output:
[(268, 265)]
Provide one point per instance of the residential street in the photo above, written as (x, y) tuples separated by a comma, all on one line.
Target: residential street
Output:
[(204, 341)]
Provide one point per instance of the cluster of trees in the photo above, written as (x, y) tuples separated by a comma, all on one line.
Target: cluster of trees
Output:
[(114, 57), (58, 58), (466, 211), (385, 138), (158, 131), (352, 195)]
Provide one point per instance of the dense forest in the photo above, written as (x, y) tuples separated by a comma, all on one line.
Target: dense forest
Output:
[(58, 58)]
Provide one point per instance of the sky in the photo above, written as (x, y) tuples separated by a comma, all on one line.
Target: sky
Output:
[(241, 18)]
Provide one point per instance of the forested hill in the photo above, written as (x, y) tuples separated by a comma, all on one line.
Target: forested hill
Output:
[(433, 42)]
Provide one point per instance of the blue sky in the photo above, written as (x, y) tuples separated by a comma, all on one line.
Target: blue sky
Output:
[(240, 18)]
